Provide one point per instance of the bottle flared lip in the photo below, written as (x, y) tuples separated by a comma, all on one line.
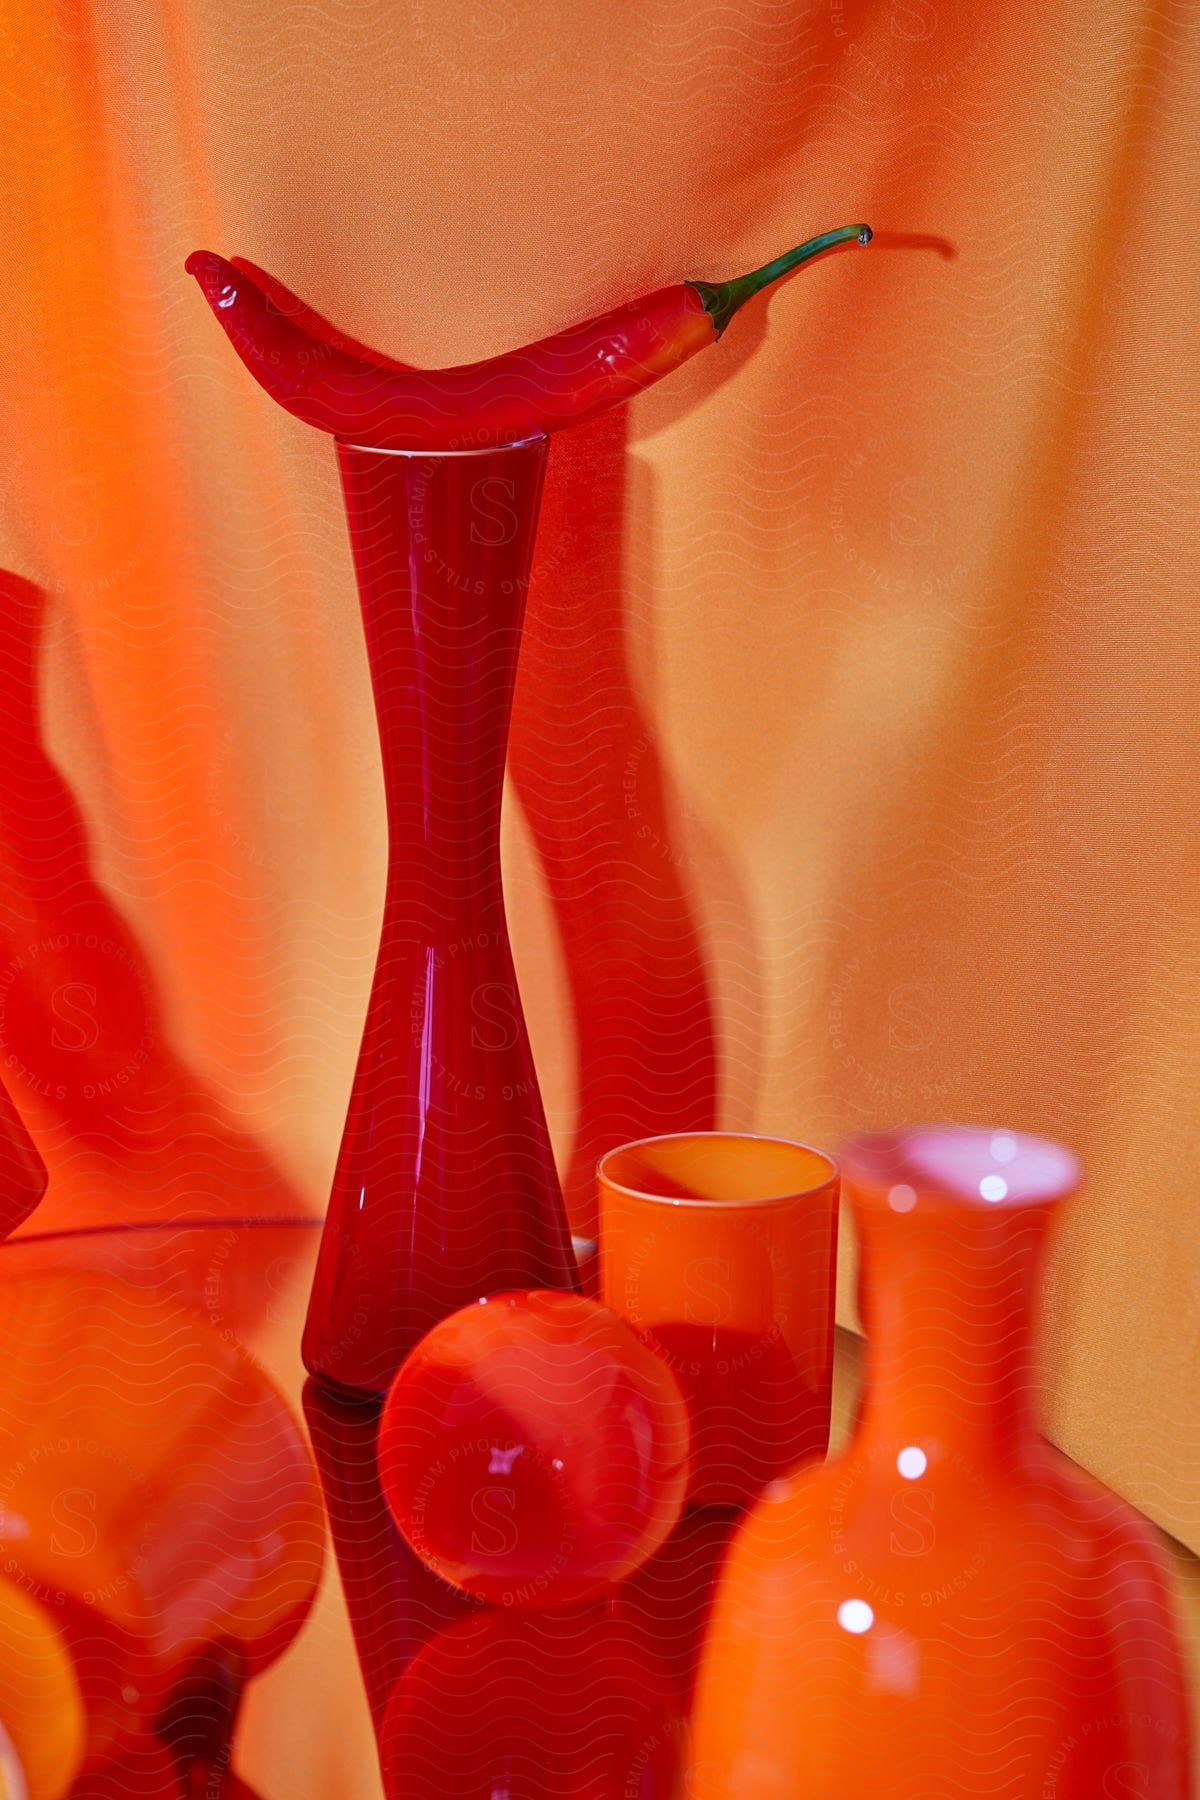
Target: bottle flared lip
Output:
[(525, 443), (976, 1168), (828, 1171)]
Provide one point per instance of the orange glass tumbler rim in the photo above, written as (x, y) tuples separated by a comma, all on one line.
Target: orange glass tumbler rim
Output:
[(831, 1171)]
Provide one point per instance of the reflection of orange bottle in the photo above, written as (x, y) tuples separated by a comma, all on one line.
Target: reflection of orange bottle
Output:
[(952, 1607), (157, 1494), (41, 1713)]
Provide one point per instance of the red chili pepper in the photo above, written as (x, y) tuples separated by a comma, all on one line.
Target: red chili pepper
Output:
[(558, 381)]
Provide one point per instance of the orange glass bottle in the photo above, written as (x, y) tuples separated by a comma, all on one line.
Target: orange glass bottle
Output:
[(952, 1608)]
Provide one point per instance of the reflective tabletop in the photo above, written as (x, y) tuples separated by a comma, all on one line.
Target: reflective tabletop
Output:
[(203, 1595)]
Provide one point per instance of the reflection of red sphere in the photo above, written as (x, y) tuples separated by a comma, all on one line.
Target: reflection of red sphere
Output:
[(532, 1450), (561, 1706)]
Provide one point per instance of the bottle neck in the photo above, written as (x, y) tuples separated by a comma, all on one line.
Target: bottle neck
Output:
[(948, 1295), (443, 546)]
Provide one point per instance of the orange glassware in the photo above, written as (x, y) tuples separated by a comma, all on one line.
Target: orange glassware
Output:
[(42, 1730), (951, 1608), (721, 1250), (158, 1495)]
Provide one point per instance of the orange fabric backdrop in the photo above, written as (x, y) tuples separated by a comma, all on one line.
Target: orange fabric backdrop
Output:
[(879, 619)]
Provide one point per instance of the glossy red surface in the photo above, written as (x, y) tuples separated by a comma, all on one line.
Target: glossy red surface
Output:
[(543, 387), (533, 1451), (445, 1187), (394, 1601), (559, 381), (951, 1607)]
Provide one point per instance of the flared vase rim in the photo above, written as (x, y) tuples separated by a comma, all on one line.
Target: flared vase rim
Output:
[(525, 443), (701, 1202), (942, 1165)]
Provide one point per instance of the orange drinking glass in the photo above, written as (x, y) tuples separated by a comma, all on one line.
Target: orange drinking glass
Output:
[(720, 1249)]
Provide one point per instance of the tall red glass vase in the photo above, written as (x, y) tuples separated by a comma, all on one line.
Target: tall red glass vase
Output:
[(445, 1187)]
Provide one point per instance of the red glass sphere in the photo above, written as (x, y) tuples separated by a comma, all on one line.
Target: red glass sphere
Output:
[(532, 1450)]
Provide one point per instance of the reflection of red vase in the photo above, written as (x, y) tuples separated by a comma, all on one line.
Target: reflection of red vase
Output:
[(951, 1608), (445, 1187), (394, 1602), (562, 1706)]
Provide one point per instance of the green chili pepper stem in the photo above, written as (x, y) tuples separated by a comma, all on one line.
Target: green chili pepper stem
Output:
[(723, 298)]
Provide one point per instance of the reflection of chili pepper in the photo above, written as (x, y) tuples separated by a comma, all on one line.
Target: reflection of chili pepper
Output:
[(558, 381)]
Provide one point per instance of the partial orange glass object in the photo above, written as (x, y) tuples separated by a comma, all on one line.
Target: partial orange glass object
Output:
[(156, 1490), (952, 1608), (720, 1249), (41, 1713)]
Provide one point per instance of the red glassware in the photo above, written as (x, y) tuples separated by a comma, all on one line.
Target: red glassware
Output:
[(445, 1187), (533, 1450), (951, 1607)]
